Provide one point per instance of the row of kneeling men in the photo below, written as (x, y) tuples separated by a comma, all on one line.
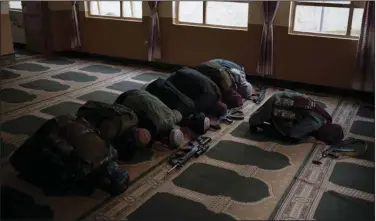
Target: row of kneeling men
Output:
[(71, 154)]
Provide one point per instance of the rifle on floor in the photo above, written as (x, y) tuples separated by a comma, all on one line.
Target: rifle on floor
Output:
[(228, 118), (333, 150), (196, 148)]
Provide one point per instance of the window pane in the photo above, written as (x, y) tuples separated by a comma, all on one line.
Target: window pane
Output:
[(132, 9), (15, 5), (326, 20), (307, 18), (227, 13), (174, 9), (105, 8), (191, 11), (335, 20), (357, 22)]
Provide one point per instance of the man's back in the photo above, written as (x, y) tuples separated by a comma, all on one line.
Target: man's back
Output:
[(291, 113)]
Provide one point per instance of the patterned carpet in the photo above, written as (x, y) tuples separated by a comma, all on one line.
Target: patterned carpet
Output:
[(35, 90), (242, 177)]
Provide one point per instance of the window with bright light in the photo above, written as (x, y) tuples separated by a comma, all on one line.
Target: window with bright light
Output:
[(211, 13), (326, 18), (15, 5), (116, 9)]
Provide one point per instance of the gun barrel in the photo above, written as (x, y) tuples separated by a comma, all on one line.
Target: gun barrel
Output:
[(173, 168), (206, 140)]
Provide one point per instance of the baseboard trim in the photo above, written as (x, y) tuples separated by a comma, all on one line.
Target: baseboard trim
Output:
[(367, 97)]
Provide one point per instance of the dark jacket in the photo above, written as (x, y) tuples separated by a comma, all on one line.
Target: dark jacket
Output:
[(203, 91), (222, 77), (293, 114), (171, 96)]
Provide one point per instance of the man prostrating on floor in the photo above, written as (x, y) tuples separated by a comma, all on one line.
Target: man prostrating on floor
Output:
[(154, 115), (175, 99), (295, 117)]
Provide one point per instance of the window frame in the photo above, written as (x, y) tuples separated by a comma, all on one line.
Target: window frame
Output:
[(350, 6), (121, 17), (203, 24)]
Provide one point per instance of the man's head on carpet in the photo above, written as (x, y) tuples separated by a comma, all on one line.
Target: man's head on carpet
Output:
[(220, 109), (330, 133)]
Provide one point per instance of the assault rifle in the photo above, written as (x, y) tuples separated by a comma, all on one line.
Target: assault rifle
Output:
[(333, 150), (228, 118), (197, 148)]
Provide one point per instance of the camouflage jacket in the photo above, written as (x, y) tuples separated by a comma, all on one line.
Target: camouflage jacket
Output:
[(292, 118)]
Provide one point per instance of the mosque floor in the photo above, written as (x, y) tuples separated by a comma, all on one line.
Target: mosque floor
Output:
[(241, 177)]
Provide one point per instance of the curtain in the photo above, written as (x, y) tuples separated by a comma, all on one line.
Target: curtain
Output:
[(155, 34), (75, 37), (265, 65), (365, 63)]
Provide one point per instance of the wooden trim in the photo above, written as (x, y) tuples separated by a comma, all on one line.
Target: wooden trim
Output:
[(177, 6), (98, 7), (234, 28), (114, 18), (349, 21), (313, 34), (322, 4), (132, 8), (15, 10), (292, 17), (204, 5), (121, 9), (86, 9)]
